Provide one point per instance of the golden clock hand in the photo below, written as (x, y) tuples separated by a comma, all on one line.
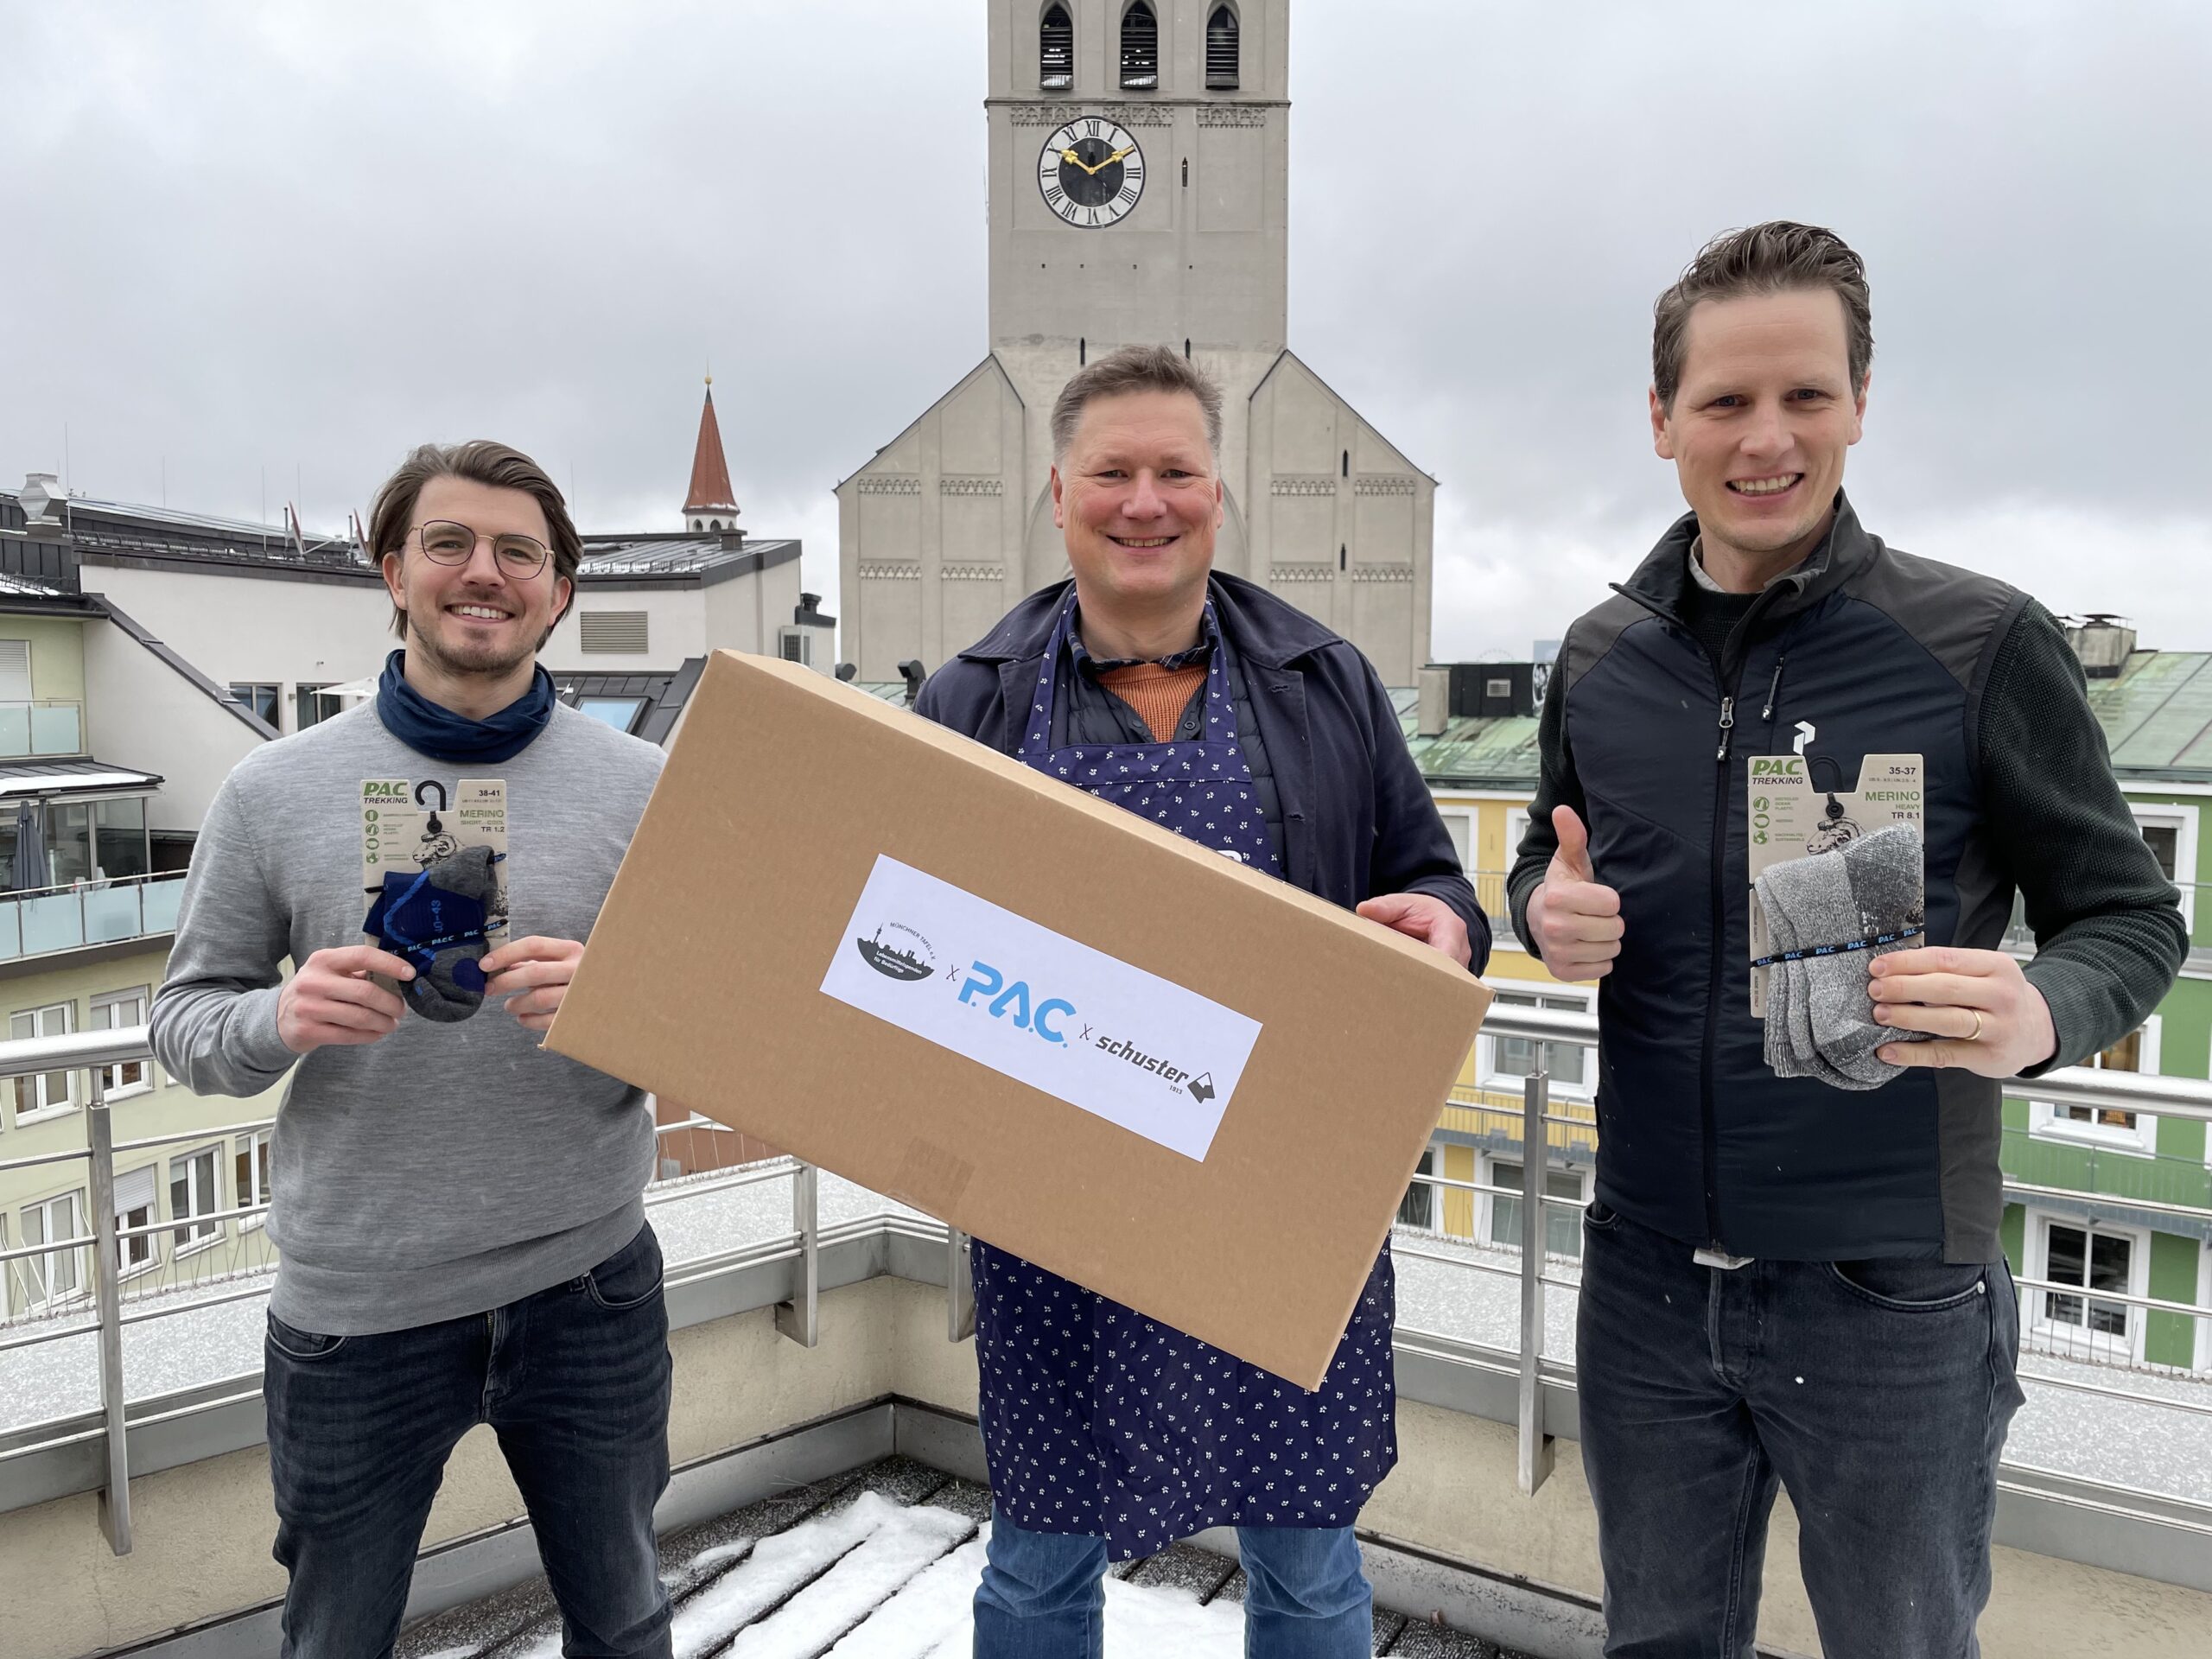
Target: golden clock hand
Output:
[(1072, 159)]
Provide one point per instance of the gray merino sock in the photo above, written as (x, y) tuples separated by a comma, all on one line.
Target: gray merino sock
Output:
[(1870, 885), (1791, 1049)]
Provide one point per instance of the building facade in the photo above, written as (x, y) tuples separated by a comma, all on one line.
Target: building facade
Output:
[(1139, 194)]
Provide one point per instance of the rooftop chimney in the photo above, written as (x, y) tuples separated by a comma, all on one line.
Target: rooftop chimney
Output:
[(2103, 642)]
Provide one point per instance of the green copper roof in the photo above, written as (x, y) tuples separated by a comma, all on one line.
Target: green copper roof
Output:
[(2158, 713)]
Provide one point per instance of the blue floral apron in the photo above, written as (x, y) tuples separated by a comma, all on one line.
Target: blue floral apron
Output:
[(1096, 1420)]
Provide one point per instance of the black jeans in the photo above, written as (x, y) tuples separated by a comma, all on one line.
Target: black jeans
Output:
[(575, 1382), (1877, 1392)]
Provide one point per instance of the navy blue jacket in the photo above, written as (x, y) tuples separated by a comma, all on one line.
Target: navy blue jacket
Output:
[(1357, 818), (1865, 651)]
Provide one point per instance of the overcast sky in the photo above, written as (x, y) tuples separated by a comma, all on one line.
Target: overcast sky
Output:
[(265, 248)]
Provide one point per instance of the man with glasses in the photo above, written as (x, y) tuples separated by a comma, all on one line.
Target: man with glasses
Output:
[(458, 1211)]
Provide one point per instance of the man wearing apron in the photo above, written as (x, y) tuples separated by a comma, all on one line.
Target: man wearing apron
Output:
[(1209, 707)]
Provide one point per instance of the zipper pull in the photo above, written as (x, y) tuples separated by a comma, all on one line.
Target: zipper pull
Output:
[(1727, 725)]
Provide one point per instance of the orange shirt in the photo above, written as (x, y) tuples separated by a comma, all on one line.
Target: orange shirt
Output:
[(1159, 695)]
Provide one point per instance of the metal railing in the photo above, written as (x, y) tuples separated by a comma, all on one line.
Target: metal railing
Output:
[(44, 919), (1540, 1380), (113, 1292), (2099, 1089)]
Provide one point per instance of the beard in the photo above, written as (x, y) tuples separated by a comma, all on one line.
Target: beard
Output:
[(487, 660)]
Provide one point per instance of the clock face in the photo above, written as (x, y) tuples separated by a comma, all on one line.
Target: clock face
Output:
[(1091, 173)]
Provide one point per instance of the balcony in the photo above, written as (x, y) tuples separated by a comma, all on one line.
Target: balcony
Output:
[(45, 729), (48, 919), (818, 1331)]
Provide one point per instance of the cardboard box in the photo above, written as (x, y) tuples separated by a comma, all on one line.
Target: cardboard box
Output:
[(912, 960)]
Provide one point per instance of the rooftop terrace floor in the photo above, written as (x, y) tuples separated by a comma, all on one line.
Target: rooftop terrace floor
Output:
[(882, 1564)]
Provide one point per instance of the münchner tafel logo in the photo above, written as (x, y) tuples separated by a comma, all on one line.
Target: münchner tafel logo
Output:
[(906, 956)]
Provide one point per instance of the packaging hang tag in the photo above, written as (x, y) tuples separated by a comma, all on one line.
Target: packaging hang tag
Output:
[(1788, 815), (408, 831)]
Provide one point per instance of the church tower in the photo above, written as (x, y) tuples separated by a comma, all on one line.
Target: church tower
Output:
[(1139, 194), (711, 505)]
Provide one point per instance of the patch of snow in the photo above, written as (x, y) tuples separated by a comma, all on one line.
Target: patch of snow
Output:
[(933, 1614), (776, 1568), (904, 1544)]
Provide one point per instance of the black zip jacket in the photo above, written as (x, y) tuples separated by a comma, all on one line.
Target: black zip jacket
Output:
[(1645, 733)]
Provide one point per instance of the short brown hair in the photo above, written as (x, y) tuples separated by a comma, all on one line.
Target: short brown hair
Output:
[(1769, 259), (480, 462), (1135, 368)]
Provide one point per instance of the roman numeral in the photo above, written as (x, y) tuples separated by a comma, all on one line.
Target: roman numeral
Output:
[(1056, 196), (1091, 215), (1128, 196), (1093, 127)]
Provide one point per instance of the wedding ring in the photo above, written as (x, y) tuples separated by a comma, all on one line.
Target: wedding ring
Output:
[(1976, 1037)]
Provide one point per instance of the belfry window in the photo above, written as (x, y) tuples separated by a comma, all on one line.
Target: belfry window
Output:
[(1221, 51), (1056, 50), (1139, 48)]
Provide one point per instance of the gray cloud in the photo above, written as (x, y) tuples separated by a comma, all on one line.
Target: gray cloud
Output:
[(294, 241)]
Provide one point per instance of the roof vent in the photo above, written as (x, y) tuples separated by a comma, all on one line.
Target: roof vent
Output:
[(612, 632), (40, 492)]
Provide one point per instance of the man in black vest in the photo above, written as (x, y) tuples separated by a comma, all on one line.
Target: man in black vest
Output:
[(1793, 1271)]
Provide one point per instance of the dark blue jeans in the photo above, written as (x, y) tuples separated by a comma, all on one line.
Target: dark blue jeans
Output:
[(1044, 1595), (1877, 1392), (575, 1382)]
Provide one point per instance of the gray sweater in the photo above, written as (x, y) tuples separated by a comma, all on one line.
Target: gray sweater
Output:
[(448, 1169)]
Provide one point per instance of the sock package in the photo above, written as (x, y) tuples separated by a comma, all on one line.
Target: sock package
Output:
[(1828, 915)]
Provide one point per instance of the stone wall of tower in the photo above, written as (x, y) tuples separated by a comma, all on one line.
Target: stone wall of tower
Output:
[(1320, 507)]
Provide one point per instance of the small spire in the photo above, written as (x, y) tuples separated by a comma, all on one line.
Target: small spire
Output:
[(710, 498)]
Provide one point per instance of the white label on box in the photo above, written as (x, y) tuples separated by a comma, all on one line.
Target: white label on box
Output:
[(1036, 1006)]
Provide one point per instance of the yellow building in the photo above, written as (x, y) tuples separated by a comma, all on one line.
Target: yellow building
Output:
[(1481, 767)]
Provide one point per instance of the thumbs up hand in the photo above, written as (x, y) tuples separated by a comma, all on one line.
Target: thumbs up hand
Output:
[(1575, 921)]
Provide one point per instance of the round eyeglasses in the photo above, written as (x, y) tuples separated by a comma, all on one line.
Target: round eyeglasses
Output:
[(446, 543)]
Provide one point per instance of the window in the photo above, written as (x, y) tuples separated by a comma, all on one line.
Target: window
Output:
[(1517, 831), (250, 1174), (1056, 50), (310, 707), (119, 845), (60, 1272), (618, 633), (1139, 48), (621, 712), (1563, 1227), (1221, 51), (1419, 1208), (262, 699), (2092, 1259), (2170, 833), (49, 1092), (795, 645), (113, 1012), (192, 1193), (134, 1207), (1460, 824), (15, 670), (1507, 1060), (2107, 1126)]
